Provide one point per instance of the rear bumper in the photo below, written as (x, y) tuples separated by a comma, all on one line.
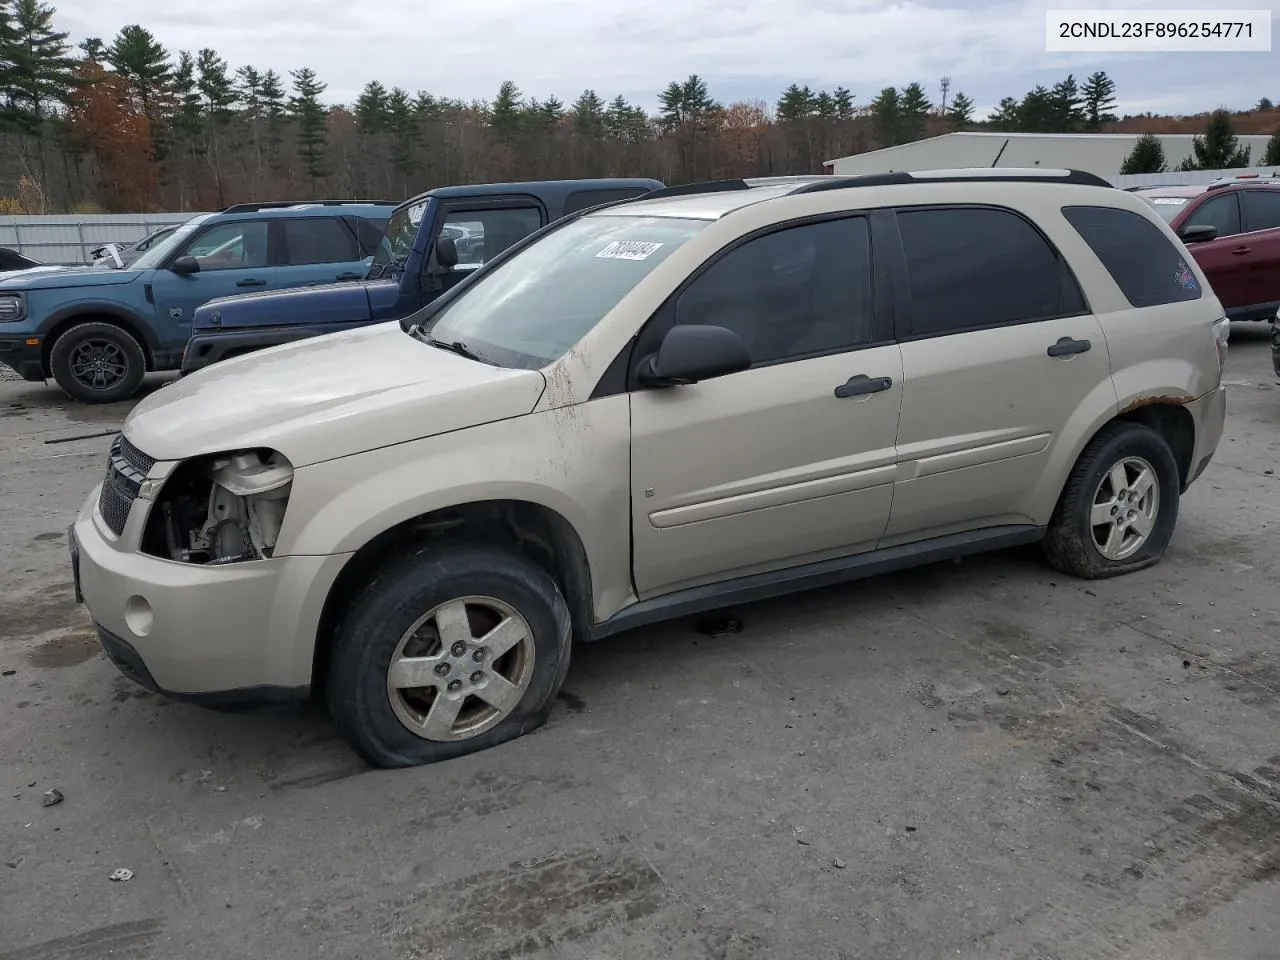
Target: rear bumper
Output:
[(23, 356), (1209, 414)]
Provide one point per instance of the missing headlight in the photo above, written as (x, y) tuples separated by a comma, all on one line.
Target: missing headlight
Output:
[(225, 508)]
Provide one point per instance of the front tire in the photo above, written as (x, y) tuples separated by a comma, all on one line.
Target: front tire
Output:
[(448, 650), (97, 363), (1120, 505)]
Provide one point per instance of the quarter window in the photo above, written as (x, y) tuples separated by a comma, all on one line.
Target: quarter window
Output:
[(1146, 266), (976, 267), (318, 240), (1222, 212), (238, 245), (800, 291)]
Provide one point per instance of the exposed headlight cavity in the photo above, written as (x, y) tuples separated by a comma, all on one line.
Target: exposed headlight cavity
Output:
[(221, 509)]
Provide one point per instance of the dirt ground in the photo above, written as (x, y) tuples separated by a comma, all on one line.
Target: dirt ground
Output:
[(972, 760)]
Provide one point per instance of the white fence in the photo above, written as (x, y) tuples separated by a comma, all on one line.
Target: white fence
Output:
[(1190, 178), (68, 238)]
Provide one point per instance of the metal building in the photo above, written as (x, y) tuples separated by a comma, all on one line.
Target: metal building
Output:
[(1099, 153)]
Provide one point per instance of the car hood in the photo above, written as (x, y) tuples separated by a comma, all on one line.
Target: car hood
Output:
[(327, 397), (49, 277), (325, 303)]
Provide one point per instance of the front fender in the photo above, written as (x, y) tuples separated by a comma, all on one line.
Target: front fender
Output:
[(573, 461)]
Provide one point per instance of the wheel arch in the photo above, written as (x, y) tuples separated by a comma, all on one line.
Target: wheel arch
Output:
[(532, 529), (116, 316)]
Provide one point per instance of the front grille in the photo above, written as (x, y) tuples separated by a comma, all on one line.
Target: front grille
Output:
[(127, 467)]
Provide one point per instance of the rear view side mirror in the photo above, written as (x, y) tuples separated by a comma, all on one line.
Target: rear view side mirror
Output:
[(1198, 233), (689, 353), (185, 265), (446, 253)]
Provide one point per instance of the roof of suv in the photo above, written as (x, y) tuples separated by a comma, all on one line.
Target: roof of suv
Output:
[(1196, 189), (713, 200), (309, 208)]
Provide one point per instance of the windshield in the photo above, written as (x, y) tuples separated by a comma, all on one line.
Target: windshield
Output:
[(402, 228), (159, 251), (1168, 207), (532, 309)]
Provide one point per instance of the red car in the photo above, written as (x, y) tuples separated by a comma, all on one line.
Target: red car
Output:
[(1232, 228)]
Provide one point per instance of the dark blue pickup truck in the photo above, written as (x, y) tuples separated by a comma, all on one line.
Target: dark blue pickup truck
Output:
[(432, 243)]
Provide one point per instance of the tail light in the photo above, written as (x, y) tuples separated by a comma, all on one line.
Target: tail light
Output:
[(1221, 333)]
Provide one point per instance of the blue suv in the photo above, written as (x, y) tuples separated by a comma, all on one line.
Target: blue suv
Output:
[(97, 330)]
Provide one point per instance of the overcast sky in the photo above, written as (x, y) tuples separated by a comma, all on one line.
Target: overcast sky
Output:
[(745, 49)]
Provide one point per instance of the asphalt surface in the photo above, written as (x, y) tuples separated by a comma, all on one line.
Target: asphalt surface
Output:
[(972, 760)]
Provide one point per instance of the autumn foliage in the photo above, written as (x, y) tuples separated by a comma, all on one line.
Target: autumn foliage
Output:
[(108, 123)]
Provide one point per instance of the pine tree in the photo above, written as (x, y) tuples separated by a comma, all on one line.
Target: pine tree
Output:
[(1006, 117), (371, 108), (93, 49), (506, 113), (1271, 157), (139, 57), (588, 115), (1219, 148), (913, 109), (218, 98), (1036, 112), (843, 98), (273, 114), (1066, 106), (1264, 104), (312, 121), (960, 113), (402, 123), (1098, 99), (1147, 156), (886, 111), (795, 104)]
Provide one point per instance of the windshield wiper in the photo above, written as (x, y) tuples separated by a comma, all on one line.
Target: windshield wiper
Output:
[(461, 349)]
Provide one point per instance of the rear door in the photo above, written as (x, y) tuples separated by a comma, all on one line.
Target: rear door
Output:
[(998, 352), (1260, 207), (1226, 259), (318, 250)]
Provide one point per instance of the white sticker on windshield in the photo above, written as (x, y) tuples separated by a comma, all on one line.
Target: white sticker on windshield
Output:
[(1175, 201), (629, 250), (415, 213)]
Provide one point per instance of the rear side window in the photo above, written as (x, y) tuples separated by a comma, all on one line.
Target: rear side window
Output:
[(368, 232), (582, 199), (318, 240), (976, 267), (1261, 208), (1148, 269)]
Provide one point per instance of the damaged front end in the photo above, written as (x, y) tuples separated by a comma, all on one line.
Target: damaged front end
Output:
[(220, 509)]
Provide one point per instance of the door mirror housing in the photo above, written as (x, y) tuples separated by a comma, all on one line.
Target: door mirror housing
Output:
[(1198, 233), (185, 265), (689, 353)]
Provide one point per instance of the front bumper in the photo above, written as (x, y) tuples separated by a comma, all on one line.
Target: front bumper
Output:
[(23, 352), (236, 635), (1209, 413)]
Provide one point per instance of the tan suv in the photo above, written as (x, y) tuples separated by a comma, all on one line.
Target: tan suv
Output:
[(706, 396)]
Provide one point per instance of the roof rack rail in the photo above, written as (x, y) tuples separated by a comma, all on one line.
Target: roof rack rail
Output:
[(691, 189), (282, 204), (976, 174), (1270, 180)]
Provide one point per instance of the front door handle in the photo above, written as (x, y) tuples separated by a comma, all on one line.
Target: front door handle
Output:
[(861, 385), (351, 276), (1241, 251), (249, 282), (1067, 347)]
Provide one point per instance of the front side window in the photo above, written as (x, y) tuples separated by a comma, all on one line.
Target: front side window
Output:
[(230, 246), (160, 251), (397, 240), (800, 291), (532, 309), (975, 267), (1222, 212), (1146, 267), (318, 240), (480, 235)]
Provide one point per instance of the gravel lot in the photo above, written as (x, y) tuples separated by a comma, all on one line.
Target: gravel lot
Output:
[(970, 760)]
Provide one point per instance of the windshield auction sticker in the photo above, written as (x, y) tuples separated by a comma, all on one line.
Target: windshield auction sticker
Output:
[(628, 250), (1170, 201)]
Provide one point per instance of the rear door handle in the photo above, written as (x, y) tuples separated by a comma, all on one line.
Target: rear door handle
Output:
[(249, 282), (1067, 346), (1241, 251), (861, 385)]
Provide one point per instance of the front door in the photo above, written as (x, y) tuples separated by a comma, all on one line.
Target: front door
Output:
[(998, 352), (1225, 260), (233, 258), (787, 462)]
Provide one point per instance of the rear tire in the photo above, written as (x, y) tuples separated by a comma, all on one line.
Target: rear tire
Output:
[(448, 650), (97, 362), (1120, 505)]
